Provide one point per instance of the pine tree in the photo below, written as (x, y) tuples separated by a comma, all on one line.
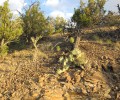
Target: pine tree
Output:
[(90, 14), (10, 29), (34, 22)]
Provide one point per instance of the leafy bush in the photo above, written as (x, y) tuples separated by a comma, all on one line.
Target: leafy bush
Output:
[(49, 29), (10, 29), (89, 14), (81, 19), (34, 22), (59, 22)]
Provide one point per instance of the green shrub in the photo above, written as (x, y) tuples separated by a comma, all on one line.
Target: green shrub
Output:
[(89, 14), (72, 40), (3, 50), (34, 22), (10, 28)]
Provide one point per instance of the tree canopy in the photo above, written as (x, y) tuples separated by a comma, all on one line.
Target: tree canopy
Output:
[(89, 14), (34, 22), (10, 29)]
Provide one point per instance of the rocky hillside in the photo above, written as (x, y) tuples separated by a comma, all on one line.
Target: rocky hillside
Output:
[(27, 76)]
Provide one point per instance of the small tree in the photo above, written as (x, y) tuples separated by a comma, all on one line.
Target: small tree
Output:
[(10, 29), (50, 29), (59, 24), (55, 24), (90, 14), (34, 22)]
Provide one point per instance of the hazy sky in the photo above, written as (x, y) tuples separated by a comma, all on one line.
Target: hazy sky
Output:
[(64, 8)]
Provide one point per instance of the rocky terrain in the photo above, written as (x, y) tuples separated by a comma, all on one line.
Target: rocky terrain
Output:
[(24, 76)]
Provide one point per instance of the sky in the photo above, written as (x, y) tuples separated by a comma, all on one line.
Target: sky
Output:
[(53, 8)]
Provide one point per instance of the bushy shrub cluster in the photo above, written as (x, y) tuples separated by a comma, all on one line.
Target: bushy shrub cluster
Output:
[(10, 29), (28, 28)]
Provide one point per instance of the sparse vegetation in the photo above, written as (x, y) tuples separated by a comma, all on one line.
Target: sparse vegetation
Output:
[(38, 63), (73, 59)]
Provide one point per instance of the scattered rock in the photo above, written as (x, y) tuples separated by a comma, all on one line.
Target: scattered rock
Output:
[(118, 96), (35, 95), (94, 98), (98, 76), (84, 91), (82, 74), (1, 95), (106, 94), (67, 96)]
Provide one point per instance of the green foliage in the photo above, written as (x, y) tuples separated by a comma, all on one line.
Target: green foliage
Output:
[(50, 25), (59, 22), (72, 40), (3, 50), (55, 25), (50, 29), (81, 19), (90, 14), (34, 22), (109, 41), (10, 29), (74, 58), (58, 48)]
